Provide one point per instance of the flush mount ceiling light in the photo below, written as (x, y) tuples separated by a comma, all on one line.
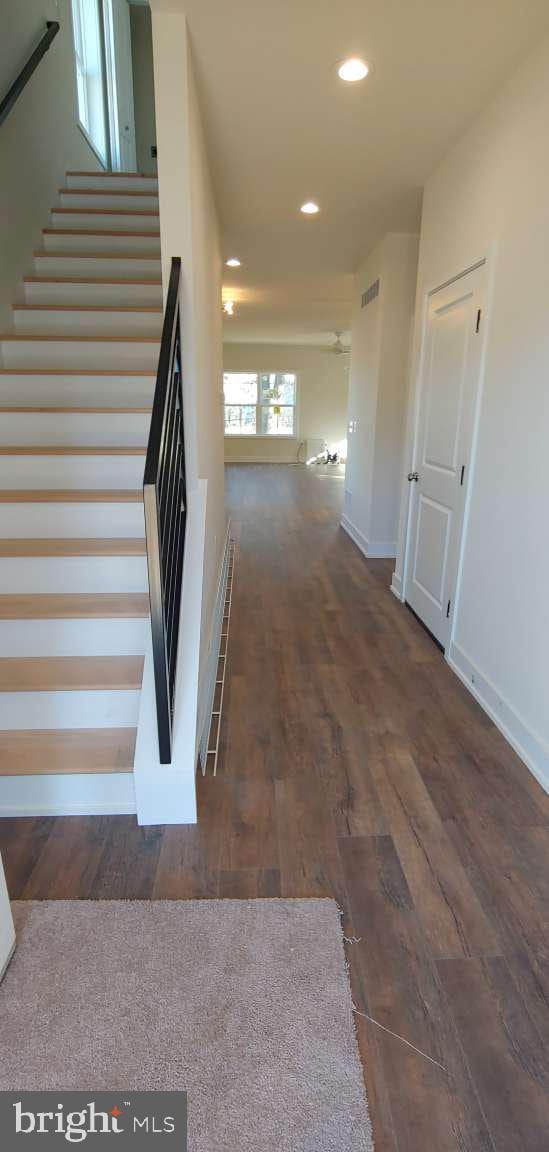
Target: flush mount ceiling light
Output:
[(233, 262), (310, 208), (228, 307), (352, 70)]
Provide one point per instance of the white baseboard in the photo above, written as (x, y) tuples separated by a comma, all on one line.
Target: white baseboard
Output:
[(78, 794), (262, 460), (372, 550), (396, 586), (531, 748), (207, 686)]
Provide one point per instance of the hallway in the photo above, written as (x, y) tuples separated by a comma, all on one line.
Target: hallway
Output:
[(354, 764)]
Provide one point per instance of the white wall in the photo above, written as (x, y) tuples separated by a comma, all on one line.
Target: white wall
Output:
[(40, 138), (381, 334), (189, 228), (143, 86), (490, 198), (322, 397)]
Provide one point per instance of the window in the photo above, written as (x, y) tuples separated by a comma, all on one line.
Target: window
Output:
[(260, 403), (88, 52)]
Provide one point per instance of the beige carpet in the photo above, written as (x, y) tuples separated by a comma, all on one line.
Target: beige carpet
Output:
[(245, 1004)]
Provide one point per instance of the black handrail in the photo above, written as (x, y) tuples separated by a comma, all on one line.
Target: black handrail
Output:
[(164, 501), (52, 28)]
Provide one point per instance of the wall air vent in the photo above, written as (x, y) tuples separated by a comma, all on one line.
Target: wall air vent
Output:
[(370, 293)]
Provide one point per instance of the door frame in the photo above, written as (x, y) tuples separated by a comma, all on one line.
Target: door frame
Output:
[(487, 264)]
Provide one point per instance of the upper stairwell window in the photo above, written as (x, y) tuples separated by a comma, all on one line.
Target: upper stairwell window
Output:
[(260, 403), (90, 72)]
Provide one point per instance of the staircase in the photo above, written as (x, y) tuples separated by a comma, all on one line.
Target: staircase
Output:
[(77, 374)]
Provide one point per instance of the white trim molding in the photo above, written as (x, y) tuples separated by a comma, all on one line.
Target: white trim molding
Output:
[(374, 550), (396, 586), (531, 748)]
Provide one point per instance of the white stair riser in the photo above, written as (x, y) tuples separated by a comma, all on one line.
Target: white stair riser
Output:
[(88, 323), (112, 180), (96, 709), (74, 574), (77, 391), (94, 267), (100, 240), (71, 471), (113, 222), (94, 354), (121, 295), (99, 199), (83, 520), (85, 793), (75, 428), (114, 636)]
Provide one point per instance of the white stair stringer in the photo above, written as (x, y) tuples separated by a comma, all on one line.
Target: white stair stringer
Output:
[(77, 377)]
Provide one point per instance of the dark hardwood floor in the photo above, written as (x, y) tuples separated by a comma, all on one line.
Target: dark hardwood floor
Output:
[(354, 764)]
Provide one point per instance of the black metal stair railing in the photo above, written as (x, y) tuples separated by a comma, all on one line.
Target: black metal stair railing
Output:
[(165, 510), (6, 105)]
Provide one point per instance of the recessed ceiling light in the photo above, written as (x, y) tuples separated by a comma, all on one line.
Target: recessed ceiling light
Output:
[(353, 69), (310, 208), (233, 262)]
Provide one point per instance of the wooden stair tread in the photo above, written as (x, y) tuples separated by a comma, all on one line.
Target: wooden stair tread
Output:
[(86, 308), (91, 255), (65, 408), (108, 280), (73, 546), (84, 337), (106, 191), (70, 673), (81, 210), (73, 606), (76, 750), (95, 232), (64, 450), (78, 372), (111, 175), (71, 496)]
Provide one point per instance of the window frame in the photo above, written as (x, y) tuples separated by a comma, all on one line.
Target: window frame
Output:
[(258, 405), (84, 78)]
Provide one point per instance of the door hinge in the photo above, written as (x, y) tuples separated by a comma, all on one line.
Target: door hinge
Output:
[(448, 609), (462, 474), (479, 314)]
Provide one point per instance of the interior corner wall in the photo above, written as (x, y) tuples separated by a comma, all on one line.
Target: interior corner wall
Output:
[(189, 228), (143, 86), (40, 138), (381, 333), (321, 398), (489, 199)]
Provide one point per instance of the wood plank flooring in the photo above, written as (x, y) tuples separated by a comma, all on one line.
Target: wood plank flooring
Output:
[(354, 764)]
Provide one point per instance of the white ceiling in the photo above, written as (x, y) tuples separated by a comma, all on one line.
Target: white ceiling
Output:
[(282, 128)]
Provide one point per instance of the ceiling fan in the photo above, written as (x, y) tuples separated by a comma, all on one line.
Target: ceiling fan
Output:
[(338, 349)]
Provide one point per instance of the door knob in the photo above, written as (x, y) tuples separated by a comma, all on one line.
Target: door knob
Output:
[(413, 476)]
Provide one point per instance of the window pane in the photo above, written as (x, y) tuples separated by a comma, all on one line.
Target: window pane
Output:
[(277, 421), (240, 387), (89, 71), (277, 387), (240, 419)]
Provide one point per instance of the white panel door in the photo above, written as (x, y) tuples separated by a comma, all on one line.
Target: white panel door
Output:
[(451, 367), (7, 931)]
